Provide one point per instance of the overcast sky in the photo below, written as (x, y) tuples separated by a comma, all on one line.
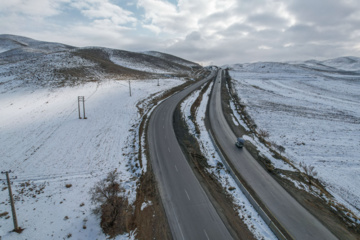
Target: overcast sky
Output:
[(205, 31)]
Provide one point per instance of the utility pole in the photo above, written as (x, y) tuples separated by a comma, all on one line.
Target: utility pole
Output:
[(158, 83), (129, 88), (16, 227), (81, 99)]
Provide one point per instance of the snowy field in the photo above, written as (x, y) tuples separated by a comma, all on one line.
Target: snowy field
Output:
[(244, 208), (313, 110), (57, 157)]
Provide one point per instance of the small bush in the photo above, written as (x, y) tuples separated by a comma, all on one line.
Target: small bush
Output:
[(68, 185), (112, 205), (309, 171), (263, 133)]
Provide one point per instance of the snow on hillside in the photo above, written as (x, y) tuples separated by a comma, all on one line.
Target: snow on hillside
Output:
[(171, 58), (344, 63), (133, 64), (314, 115), (144, 62), (29, 62), (28, 45), (8, 44), (51, 70), (47, 147)]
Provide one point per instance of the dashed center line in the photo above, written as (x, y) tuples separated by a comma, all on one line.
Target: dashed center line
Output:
[(187, 194), (176, 168), (206, 235), (169, 149)]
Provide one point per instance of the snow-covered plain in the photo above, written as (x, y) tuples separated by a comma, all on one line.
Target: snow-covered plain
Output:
[(313, 110), (47, 147), (244, 208)]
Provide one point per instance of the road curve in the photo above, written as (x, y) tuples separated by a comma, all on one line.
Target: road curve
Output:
[(295, 218), (189, 211)]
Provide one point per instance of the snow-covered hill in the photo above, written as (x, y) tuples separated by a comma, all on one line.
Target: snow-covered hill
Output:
[(24, 61), (11, 42), (342, 63)]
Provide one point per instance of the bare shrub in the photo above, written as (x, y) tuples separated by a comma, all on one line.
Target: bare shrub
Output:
[(281, 149), (219, 165), (112, 205), (3, 214), (274, 144), (68, 185), (309, 171), (263, 133)]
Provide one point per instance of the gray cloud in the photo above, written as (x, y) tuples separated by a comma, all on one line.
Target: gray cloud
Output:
[(194, 36), (323, 12), (267, 19), (226, 31)]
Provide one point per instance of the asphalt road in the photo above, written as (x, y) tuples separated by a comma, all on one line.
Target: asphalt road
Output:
[(189, 211), (295, 218)]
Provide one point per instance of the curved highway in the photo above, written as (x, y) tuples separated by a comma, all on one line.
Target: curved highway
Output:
[(293, 217), (189, 211)]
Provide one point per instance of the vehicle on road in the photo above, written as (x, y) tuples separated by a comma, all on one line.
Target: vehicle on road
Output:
[(240, 142)]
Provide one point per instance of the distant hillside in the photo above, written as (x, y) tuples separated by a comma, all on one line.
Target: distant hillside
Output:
[(341, 63), (28, 61), (347, 66), (171, 58)]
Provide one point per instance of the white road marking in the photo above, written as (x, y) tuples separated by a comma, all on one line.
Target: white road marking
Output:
[(181, 231), (169, 149), (206, 235), (187, 194), (163, 127), (176, 168), (177, 221)]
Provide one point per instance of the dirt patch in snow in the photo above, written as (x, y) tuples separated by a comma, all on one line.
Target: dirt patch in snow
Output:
[(102, 59), (150, 222), (332, 216)]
